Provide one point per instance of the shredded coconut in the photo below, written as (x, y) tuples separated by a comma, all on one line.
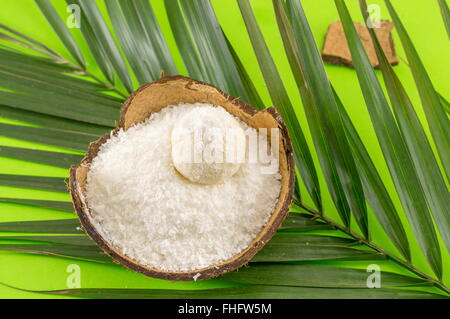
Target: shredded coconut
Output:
[(144, 208)]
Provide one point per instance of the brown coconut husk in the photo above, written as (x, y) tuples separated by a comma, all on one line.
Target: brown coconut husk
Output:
[(152, 97), (336, 51)]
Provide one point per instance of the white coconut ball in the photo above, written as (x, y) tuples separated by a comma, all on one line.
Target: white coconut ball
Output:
[(208, 145)]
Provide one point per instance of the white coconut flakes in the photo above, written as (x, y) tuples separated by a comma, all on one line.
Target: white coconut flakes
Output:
[(144, 208)]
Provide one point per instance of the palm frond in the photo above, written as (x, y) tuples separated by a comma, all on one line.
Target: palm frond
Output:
[(445, 15), (56, 184), (445, 104), (96, 47), (307, 275), (45, 157), (25, 41), (281, 99), (302, 222), (210, 44), (72, 107), (242, 292), (51, 122), (60, 28), (144, 45), (64, 139), (428, 172), (79, 252), (57, 226), (105, 40), (254, 97), (66, 239), (393, 145), (274, 251), (328, 166), (376, 194), (50, 103), (186, 45), (144, 15), (133, 46), (437, 120), (59, 205)]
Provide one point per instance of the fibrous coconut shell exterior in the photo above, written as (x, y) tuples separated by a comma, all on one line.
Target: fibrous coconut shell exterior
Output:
[(335, 49), (152, 97)]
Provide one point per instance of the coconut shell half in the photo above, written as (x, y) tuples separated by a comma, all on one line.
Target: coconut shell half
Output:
[(152, 97)]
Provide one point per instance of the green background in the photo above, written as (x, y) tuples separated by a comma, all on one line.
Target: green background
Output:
[(424, 24)]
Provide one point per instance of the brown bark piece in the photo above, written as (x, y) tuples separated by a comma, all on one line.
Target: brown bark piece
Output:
[(336, 50)]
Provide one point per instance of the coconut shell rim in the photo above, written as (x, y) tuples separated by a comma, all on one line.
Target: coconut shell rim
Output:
[(211, 271)]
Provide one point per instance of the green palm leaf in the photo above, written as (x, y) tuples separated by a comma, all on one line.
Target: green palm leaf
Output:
[(144, 47), (98, 51), (306, 275), (435, 189), (213, 48), (44, 157), (30, 82), (274, 251), (324, 119), (374, 189), (105, 39), (73, 107), (52, 122), (254, 98), (445, 104), (395, 151), (142, 14), (282, 102), (301, 222), (66, 206), (130, 45), (80, 252), (48, 103), (245, 292), (25, 41), (186, 45), (312, 239), (45, 67), (67, 239), (56, 184), (59, 226), (58, 25), (437, 119), (71, 140), (445, 15), (328, 114), (37, 64)]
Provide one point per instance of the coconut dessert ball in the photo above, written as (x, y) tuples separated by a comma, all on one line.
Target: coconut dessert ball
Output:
[(149, 212), (208, 145)]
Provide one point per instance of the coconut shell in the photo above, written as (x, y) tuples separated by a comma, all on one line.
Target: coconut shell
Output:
[(152, 97), (335, 48)]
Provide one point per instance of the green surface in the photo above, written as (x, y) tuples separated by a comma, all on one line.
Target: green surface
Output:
[(425, 26)]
